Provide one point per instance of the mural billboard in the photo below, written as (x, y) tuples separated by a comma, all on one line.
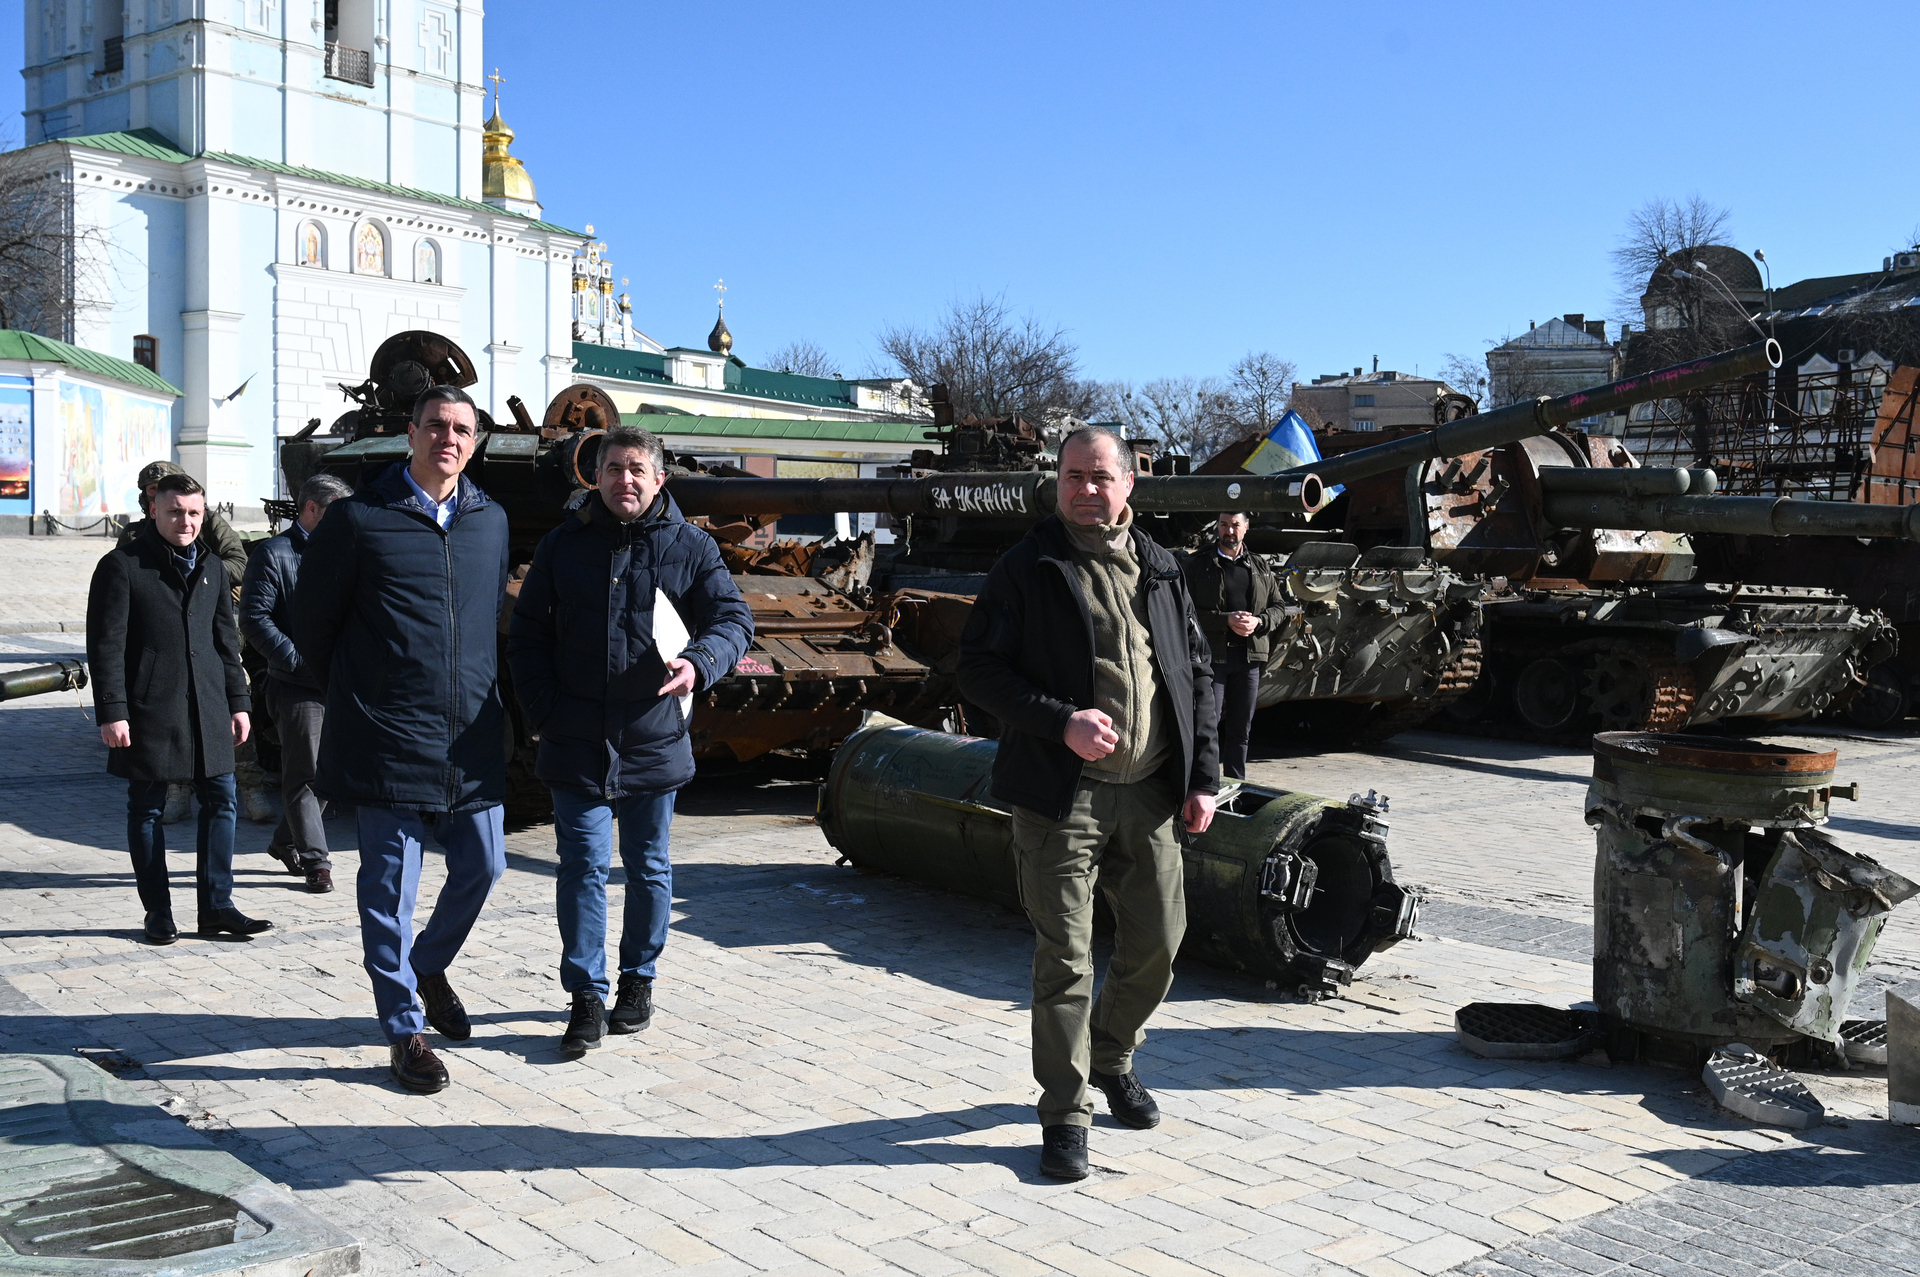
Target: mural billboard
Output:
[(106, 436), (16, 445)]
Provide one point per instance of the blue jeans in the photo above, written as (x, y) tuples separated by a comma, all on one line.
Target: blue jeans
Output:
[(147, 843), (390, 851), (583, 827)]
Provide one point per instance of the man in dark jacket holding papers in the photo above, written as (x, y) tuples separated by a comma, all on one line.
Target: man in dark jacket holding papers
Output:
[(625, 613)]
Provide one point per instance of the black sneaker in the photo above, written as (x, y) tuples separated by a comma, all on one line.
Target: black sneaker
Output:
[(1128, 1101), (632, 1005), (443, 1008), (160, 928), (416, 1067), (587, 1025), (1063, 1152)]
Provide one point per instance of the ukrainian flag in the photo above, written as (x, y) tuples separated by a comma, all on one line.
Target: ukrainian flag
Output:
[(1288, 446)]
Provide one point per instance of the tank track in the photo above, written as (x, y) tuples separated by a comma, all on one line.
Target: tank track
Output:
[(1673, 699)]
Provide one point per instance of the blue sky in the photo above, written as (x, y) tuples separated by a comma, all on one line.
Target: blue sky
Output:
[(1178, 184)]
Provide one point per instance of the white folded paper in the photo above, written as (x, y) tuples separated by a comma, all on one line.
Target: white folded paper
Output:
[(670, 638)]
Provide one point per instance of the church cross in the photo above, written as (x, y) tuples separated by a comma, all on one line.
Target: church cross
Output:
[(498, 80), (721, 288)]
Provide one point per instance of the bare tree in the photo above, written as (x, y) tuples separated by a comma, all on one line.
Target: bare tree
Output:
[(1655, 232), (1260, 385), (45, 266), (994, 364), (804, 357), (1466, 374), (1191, 415)]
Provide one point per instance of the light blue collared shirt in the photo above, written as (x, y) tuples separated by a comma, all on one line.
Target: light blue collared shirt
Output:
[(441, 511)]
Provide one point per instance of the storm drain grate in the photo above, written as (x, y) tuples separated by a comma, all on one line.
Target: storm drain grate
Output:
[(123, 1215), (1522, 1031), (1748, 1083), (1865, 1041)]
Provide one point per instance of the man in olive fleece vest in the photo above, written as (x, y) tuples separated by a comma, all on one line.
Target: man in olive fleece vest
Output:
[(1084, 645)]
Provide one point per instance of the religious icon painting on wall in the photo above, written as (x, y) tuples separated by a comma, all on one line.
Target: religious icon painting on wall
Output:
[(426, 262), (312, 248), (369, 250)]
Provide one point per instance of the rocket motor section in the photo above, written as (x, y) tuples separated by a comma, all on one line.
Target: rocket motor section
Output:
[(1294, 888)]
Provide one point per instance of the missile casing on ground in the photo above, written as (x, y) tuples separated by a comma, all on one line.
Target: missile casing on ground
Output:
[(1721, 913), (1288, 886), (38, 680)]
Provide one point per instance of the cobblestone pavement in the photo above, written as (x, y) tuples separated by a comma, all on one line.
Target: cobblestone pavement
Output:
[(836, 1080)]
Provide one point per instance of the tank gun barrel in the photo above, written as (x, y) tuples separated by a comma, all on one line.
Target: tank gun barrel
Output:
[(1523, 420), (1629, 481), (37, 680), (1028, 493), (1733, 516)]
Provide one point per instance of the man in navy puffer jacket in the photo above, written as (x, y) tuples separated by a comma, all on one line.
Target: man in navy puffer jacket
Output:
[(605, 700), (397, 612)]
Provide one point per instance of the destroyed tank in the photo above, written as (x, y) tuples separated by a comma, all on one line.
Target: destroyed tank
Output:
[(1593, 619)]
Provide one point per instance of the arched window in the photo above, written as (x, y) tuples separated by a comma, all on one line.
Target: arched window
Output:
[(426, 262), (369, 250), (310, 245)]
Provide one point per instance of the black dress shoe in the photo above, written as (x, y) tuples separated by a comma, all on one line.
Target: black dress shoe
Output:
[(319, 880), (1128, 1101), (288, 857), (233, 922), (587, 1025), (632, 1005), (442, 1006), (416, 1067), (1063, 1152), (160, 928)]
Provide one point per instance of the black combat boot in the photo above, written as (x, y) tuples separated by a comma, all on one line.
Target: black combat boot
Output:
[(1063, 1152), (632, 1005), (586, 1026), (1128, 1101)]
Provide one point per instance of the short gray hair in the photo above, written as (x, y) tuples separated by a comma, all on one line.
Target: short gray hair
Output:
[(634, 437), (1093, 435), (323, 490)]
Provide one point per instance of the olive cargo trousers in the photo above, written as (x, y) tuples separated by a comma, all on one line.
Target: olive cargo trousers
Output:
[(1123, 838)]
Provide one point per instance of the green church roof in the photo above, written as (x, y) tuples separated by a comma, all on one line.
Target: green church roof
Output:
[(34, 348), (646, 368), (146, 144), (779, 428)]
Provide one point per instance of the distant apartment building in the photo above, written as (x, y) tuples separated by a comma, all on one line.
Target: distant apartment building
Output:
[(1368, 401), (1555, 358)]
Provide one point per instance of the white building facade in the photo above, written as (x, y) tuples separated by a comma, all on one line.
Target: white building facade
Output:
[(264, 190)]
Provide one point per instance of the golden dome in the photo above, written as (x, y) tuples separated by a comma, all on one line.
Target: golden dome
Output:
[(501, 175)]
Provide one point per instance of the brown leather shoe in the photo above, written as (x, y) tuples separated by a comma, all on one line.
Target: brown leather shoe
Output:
[(319, 880), (416, 1067)]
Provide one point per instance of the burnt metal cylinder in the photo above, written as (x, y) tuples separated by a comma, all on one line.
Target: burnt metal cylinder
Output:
[(37, 680), (1733, 516), (1523, 420), (1289, 886), (1720, 912), (1028, 493)]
